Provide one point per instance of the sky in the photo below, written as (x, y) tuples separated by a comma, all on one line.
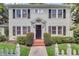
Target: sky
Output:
[(39, 1)]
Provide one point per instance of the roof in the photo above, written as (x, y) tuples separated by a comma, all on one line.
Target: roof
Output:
[(38, 6)]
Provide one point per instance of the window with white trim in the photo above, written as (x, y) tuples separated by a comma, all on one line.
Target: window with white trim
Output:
[(59, 29), (18, 13), (59, 13), (18, 30), (53, 29), (24, 13), (24, 30), (53, 13)]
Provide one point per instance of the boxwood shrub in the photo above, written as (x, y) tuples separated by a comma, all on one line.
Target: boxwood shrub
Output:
[(3, 38), (29, 39), (62, 39), (21, 40), (26, 40), (47, 39)]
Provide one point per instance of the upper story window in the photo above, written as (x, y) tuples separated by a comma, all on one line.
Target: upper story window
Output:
[(54, 13), (18, 11), (38, 11), (60, 13), (24, 13)]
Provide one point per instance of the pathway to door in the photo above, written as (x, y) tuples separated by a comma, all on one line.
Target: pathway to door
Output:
[(38, 48)]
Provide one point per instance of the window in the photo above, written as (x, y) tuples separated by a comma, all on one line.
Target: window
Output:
[(18, 13), (49, 29), (28, 13), (18, 30), (24, 13), (13, 13), (53, 13), (38, 11), (53, 29), (14, 31), (64, 13), (49, 13), (59, 13), (24, 30), (28, 28), (59, 29), (64, 30)]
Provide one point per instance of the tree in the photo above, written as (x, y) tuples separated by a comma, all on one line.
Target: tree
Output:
[(3, 14), (75, 18)]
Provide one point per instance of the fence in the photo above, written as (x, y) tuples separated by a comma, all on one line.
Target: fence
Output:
[(69, 51), (11, 52)]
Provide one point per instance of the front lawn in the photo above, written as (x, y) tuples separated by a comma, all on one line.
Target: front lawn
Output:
[(23, 50), (51, 49)]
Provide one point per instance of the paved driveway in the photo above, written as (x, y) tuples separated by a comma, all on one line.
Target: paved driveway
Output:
[(38, 51)]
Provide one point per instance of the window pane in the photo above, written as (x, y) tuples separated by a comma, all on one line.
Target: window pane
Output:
[(18, 30), (53, 29), (24, 30), (59, 13), (59, 30), (14, 31), (24, 13), (49, 29), (54, 13), (13, 13), (18, 13)]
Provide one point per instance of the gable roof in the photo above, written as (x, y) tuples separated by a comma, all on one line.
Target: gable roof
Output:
[(38, 6)]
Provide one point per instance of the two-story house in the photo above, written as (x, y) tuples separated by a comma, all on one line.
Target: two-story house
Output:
[(39, 18)]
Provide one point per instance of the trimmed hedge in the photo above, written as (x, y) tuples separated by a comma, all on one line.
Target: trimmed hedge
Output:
[(29, 39), (62, 39), (26, 40), (21, 40), (3, 38), (47, 39)]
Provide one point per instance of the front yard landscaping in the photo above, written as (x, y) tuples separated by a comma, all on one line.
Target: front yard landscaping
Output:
[(24, 50), (51, 49)]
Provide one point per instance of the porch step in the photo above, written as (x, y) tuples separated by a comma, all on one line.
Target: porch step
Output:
[(38, 42)]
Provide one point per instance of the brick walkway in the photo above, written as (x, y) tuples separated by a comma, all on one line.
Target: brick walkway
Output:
[(38, 51)]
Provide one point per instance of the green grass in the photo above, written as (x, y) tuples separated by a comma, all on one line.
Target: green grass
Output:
[(51, 49), (23, 50)]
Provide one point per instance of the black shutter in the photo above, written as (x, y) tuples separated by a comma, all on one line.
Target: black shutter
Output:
[(13, 13), (64, 13), (49, 13), (28, 13), (64, 30)]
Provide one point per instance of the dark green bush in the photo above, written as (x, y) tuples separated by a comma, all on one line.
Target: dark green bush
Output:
[(21, 40), (3, 38), (29, 39), (62, 39), (25, 40), (47, 39)]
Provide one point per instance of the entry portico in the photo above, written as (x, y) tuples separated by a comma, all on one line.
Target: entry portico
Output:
[(39, 26)]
